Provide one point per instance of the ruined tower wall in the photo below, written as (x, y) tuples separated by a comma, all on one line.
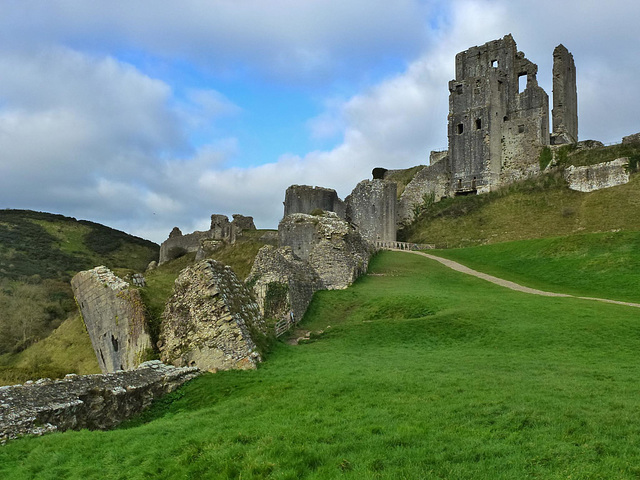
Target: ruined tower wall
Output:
[(306, 199), (371, 206), (433, 181), (565, 97), (114, 316)]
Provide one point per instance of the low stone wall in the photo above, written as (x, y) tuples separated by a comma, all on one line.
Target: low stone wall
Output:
[(598, 176), (96, 402)]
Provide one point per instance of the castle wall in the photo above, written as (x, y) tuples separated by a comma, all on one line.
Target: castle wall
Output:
[(306, 199), (596, 177), (495, 130), (85, 401), (114, 316), (433, 180), (371, 207), (565, 98)]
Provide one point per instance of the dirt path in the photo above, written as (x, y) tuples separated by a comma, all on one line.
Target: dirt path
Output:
[(506, 283)]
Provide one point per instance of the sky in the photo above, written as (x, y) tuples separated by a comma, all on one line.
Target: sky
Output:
[(149, 114)]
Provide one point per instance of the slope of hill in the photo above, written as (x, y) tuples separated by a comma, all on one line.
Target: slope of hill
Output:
[(419, 372), (39, 253)]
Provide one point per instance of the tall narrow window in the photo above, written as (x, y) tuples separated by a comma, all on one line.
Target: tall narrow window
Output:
[(478, 123), (460, 128), (522, 83)]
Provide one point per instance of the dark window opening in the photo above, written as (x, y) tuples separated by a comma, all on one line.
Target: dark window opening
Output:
[(459, 89), (505, 118), (478, 123), (473, 183), (522, 82), (520, 128), (114, 342), (494, 63), (460, 128)]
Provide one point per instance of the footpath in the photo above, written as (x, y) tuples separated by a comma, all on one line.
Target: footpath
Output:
[(506, 283)]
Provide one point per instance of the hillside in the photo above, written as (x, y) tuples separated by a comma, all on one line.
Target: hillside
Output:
[(414, 372), (39, 253), (536, 208)]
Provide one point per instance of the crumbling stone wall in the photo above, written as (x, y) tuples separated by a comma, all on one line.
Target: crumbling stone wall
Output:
[(114, 315), (635, 138), (87, 401), (495, 131), (334, 248), (429, 184), (371, 207), (211, 320), (565, 98), (283, 284), (306, 199), (220, 230), (598, 176)]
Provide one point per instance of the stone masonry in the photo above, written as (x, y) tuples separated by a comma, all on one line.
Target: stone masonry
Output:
[(283, 284), (85, 401), (371, 207), (306, 199), (496, 129), (565, 98), (601, 175), (221, 229), (334, 248), (114, 315), (211, 321)]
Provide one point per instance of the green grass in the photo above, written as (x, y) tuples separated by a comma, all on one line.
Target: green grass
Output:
[(67, 350), (605, 265), (403, 177), (537, 208), (420, 372), (602, 154)]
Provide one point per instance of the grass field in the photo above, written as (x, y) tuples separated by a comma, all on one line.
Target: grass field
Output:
[(421, 372), (605, 265)]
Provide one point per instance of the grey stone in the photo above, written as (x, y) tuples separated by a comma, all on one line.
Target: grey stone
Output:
[(307, 199), (565, 98), (114, 315), (85, 401), (334, 248), (371, 207), (635, 138), (596, 177), (210, 320)]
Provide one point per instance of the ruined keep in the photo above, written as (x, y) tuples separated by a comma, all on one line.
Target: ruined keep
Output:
[(221, 230), (114, 316), (306, 199), (565, 98), (371, 207), (499, 116)]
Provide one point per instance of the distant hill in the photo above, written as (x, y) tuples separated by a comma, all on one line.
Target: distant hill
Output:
[(39, 253)]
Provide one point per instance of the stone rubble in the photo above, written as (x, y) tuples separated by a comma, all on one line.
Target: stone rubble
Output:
[(95, 402)]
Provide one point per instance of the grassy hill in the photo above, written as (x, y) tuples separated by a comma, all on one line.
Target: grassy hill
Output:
[(419, 372), (39, 253), (540, 207)]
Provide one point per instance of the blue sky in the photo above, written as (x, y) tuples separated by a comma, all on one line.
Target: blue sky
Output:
[(152, 114)]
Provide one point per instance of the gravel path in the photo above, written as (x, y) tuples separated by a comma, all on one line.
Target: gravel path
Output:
[(506, 283)]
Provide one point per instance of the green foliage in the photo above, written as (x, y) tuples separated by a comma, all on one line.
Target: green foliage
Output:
[(276, 299), (545, 158), (562, 154), (317, 212), (477, 382), (603, 154), (634, 160)]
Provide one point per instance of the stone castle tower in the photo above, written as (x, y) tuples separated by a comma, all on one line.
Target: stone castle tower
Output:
[(499, 115)]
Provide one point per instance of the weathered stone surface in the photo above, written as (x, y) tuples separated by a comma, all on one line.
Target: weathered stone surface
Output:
[(335, 249), (431, 183), (306, 199), (85, 401), (283, 285), (210, 320), (635, 138), (565, 98), (221, 230), (495, 130), (598, 176), (371, 207), (115, 319)]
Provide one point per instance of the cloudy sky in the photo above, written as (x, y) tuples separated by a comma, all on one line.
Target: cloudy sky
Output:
[(149, 114)]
